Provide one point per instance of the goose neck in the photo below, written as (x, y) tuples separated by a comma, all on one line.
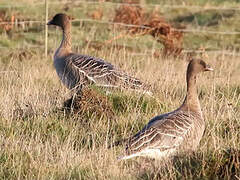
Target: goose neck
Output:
[(66, 39), (66, 45), (191, 102)]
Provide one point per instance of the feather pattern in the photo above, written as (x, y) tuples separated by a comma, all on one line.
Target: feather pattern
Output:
[(88, 69), (168, 133)]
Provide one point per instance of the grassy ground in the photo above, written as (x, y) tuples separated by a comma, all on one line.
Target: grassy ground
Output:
[(40, 141)]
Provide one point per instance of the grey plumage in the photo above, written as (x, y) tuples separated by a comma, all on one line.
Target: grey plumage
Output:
[(83, 69), (75, 69), (168, 132), (179, 130)]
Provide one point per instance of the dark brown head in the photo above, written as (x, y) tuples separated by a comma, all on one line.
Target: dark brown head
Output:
[(61, 20), (197, 65)]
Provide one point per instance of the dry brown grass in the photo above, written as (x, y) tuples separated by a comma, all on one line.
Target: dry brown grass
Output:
[(96, 14), (39, 141), (91, 101), (5, 18), (154, 25)]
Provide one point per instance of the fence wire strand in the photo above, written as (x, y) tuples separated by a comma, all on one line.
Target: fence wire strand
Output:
[(170, 6), (130, 25)]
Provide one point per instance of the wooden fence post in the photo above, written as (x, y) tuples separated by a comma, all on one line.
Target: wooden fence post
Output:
[(46, 28)]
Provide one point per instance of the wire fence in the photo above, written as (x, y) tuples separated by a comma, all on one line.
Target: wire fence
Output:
[(169, 6), (126, 25), (46, 4)]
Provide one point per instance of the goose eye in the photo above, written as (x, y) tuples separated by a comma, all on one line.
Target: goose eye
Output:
[(203, 63)]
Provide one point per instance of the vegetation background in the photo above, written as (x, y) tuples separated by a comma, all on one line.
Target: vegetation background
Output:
[(38, 140)]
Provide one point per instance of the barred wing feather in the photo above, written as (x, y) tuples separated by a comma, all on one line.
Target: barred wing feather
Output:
[(166, 134), (100, 72)]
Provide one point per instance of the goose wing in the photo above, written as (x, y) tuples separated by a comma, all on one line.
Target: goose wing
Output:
[(166, 133), (100, 72)]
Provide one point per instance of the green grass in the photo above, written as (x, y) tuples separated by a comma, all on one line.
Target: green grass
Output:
[(38, 140)]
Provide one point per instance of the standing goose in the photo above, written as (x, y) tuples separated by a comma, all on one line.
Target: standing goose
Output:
[(181, 129), (76, 70)]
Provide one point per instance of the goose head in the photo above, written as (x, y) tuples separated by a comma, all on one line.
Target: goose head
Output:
[(61, 20), (196, 66)]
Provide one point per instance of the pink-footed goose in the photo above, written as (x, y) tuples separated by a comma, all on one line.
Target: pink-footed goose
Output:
[(76, 70), (179, 130)]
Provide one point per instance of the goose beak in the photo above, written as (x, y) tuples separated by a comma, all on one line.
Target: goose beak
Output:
[(50, 23), (208, 68)]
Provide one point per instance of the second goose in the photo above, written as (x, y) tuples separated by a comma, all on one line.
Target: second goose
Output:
[(76, 70), (179, 130)]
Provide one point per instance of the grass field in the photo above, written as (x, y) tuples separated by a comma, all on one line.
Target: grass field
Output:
[(40, 141)]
